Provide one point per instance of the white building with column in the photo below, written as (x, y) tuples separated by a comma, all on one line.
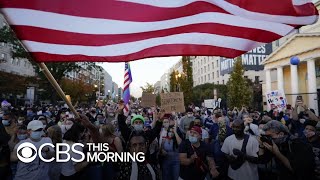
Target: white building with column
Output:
[(302, 79)]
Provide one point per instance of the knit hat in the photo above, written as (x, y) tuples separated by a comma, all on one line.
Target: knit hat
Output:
[(137, 117)]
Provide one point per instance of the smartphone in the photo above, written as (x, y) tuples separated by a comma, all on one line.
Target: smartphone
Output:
[(299, 100), (266, 139)]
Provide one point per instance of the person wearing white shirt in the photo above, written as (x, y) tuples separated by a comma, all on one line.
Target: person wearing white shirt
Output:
[(241, 151)]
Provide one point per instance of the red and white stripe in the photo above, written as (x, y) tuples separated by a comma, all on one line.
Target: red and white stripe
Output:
[(123, 30), (126, 86)]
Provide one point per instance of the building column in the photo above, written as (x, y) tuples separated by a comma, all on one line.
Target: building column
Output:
[(294, 83), (268, 80), (280, 78), (312, 85)]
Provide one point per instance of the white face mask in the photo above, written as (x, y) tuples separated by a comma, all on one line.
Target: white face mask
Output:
[(166, 125), (261, 132), (68, 126), (302, 121)]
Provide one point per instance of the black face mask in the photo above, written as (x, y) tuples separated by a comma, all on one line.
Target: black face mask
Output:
[(238, 133)]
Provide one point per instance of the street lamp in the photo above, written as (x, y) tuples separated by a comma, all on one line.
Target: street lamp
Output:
[(178, 76)]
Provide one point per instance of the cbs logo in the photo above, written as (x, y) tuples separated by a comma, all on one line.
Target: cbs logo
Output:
[(27, 152)]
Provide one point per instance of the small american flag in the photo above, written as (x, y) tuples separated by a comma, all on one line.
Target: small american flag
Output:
[(126, 87), (126, 30)]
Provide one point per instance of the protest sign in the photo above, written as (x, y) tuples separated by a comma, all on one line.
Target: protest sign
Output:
[(173, 101), (212, 103), (276, 100), (148, 100)]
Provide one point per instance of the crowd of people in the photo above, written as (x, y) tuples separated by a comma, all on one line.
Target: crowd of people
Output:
[(201, 143)]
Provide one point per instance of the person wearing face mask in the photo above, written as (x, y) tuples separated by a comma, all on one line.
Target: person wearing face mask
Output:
[(193, 155), (185, 121), (30, 113), (205, 134), (137, 124), (170, 154), (294, 159), (312, 138), (20, 135), (71, 170), (36, 169), (100, 119), (164, 130), (241, 151), (66, 126), (9, 124)]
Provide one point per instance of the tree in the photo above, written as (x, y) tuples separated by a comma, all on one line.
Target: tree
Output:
[(186, 80), (12, 85), (133, 99), (239, 91), (148, 88), (205, 91), (58, 70), (173, 81), (158, 100), (79, 90), (8, 36)]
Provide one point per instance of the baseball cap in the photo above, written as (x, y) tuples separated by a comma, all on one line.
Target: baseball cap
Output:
[(35, 125), (197, 129), (137, 117)]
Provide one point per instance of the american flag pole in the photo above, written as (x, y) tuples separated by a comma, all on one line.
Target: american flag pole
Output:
[(126, 88)]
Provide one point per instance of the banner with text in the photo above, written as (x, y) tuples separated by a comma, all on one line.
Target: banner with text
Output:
[(250, 60), (276, 100), (173, 101), (148, 100)]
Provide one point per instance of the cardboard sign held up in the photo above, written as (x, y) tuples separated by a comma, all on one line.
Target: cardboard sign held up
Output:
[(276, 100), (148, 100), (173, 101)]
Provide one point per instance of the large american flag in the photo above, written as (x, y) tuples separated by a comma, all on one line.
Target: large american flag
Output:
[(126, 87), (124, 30)]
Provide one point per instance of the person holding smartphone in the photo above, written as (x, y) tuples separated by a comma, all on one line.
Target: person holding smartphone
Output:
[(294, 159)]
